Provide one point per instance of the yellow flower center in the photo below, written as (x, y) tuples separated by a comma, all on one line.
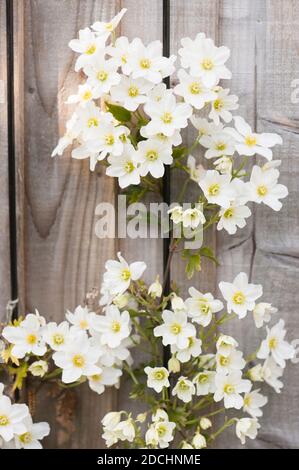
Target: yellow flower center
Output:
[(161, 430), (91, 50), (228, 213), (195, 88), (96, 377), (239, 298), (262, 190), (31, 339), (109, 139), (133, 91), (250, 141), (175, 328), (115, 326), (183, 386), (83, 324), (221, 146), (229, 389), (4, 421), (152, 155), (218, 104), (145, 63), (109, 27), (214, 189), (87, 95), (204, 307), (247, 400), (167, 118), (203, 378), (129, 167), (78, 360), (191, 342), (124, 59), (207, 64), (224, 361), (125, 275), (159, 375), (92, 122), (58, 339), (123, 138), (272, 343), (26, 438), (102, 76)]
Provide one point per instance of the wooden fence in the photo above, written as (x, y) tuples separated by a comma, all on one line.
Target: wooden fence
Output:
[(49, 254)]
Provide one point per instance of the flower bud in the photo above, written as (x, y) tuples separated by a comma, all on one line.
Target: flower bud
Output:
[(38, 368), (155, 289), (141, 417), (256, 373), (199, 441), (174, 365), (121, 300), (205, 423)]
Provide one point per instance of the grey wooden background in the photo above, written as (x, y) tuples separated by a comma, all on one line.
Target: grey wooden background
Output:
[(59, 256)]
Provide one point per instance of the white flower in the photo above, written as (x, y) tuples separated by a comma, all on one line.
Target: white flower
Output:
[(11, 418), (226, 344), (120, 52), (119, 274), (271, 372), (264, 187), (110, 139), (56, 336), (276, 346), (262, 313), (155, 289), (152, 154), (84, 95), (38, 368), (77, 359), (184, 389), (160, 415), (193, 217), (104, 29), (192, 350), (217, 188), (199, 441), (111, 356), (81, 320), (218, 144), (240, 295), (125, 430), (185, 445), (253, 401), (204, 59), (72, 131), (205, 423), (173, 364), (205, 382), (131, 93), (167, 116), (108, 377), (124, 167), (197, 171), (256, 373), (202, 306), (177, 303), (111, 419), (114, 326), (193, 90), (176, 214), (247, 427), (204, 127), (175, 330), (158, 92), (222, 105), (157, 378), (233, 217), (88, 121), (229, 387), (172, 140), (160, 433), (231, 362), (102, 74), (33, 434), (224, 165), (88, 46), (26, 338), (147, 61), (250, 143)]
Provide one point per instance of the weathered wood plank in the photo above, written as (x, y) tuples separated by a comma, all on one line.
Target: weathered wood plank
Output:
[(63, 257), (4, 201)]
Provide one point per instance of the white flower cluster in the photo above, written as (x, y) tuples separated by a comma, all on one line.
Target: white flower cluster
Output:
[(17, 430), (85, 346)]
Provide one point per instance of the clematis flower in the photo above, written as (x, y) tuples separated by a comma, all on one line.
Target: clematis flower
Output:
[(81, 320), (175, 329), (157, 378), (84, 95), (229, 388), (253, 401), (192, 350), (119, 274), (202, 306), (108, 377), (271, 373), (233, 217), (247, 427), (125, 167), (88, 45), (26, 338), (102, 75), (240, 295), (131, 93), (264, 187), (197, 171), (222, 105), (184, 389), (104, 29), (109, 139), (276, 346), (120, 52), (226, 344), (114, 326), (250, 143), (218, 144), (199, 441), (217, 188), (11, 418), (228, 363), (35, 432), (205, 382), (152, 154), (193, 90), (262, 313)]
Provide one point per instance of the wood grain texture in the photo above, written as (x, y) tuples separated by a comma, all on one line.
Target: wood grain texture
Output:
[(188, 20), (63, 257), (4, 202)]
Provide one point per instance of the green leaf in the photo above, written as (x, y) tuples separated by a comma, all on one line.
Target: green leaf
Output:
[(207, 252), (193, 262), (178, 152), (120, 113)]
